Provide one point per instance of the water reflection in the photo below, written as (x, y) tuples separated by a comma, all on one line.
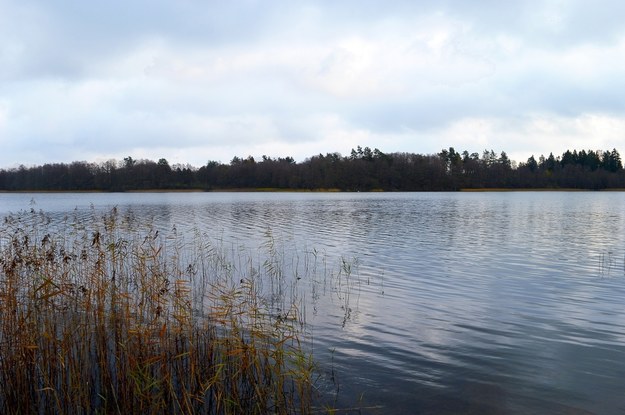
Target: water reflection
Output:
[(443, 303)]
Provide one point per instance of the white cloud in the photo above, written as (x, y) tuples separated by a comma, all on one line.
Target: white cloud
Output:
[(535, 134), (214, 80)]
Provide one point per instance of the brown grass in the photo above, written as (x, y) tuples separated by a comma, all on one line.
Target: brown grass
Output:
[(104, 315)]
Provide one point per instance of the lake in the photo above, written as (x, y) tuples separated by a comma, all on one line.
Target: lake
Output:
[(510, 302)]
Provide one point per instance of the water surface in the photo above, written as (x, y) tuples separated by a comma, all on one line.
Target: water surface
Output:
[(453, 303)]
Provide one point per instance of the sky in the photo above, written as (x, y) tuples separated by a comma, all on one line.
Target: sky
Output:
[(193, 81)]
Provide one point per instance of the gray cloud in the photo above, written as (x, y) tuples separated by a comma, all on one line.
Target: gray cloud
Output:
[(203, 80)]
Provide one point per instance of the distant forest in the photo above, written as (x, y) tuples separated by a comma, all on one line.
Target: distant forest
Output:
[(362, 170)]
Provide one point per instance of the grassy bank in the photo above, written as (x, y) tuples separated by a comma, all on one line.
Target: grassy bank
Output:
[(528, 189), (104, 315)]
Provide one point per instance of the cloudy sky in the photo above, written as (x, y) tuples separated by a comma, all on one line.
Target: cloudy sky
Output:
[(193, 80)]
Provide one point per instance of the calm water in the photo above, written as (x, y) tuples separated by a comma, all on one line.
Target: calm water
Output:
[(456, 302)]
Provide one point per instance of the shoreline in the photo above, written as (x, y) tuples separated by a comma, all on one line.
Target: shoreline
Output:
[(227, 190), (321, 190)]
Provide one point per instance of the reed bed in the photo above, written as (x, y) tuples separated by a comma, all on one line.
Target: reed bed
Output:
[(101, 314)]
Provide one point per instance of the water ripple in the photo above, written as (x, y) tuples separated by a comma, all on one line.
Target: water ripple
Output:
[(432, 303)]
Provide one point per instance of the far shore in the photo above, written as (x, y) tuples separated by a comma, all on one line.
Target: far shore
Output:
[(322, 190), (529, 189), (198, 190), (545, 189)]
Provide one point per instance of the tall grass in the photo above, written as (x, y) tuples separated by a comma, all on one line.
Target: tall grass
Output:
[(101, 314)]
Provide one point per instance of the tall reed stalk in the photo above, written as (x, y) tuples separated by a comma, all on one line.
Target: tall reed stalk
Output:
[(102, 314)]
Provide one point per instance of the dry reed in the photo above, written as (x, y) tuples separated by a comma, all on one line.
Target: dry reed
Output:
[(100, 314)]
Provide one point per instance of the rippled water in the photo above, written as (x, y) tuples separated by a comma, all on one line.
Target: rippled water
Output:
[(456, 302)]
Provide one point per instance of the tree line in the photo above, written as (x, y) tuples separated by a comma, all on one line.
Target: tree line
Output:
[(363, 169)]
